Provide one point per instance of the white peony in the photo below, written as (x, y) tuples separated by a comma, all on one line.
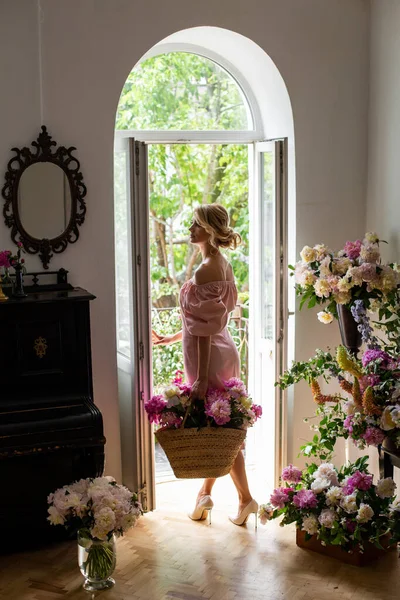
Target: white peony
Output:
[(385, 488), (365, 513), (308, 254), (387, 422), (320, 484), (324, 267), (55, 517), (322, 288), (321, 251), (395, 506), (310, 524), (104, 523), (327, 471), (328, 517), (334, 495), (325, 317), (349, 504)]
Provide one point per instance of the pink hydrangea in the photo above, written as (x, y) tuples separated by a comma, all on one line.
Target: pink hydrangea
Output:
[(154, 407), (358, 481), (353, 249), (280, 496), (374, 436), (348, 423), (291, 474), (371, 355), (220, 411), (305, 499)]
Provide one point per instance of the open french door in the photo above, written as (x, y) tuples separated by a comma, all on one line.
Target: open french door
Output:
[(268, 305), (134, 361)]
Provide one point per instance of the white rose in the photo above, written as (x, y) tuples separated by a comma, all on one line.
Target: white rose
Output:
[(387, 422), (325, 317)]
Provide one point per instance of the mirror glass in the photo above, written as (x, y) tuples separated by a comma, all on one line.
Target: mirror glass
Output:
[(44, 200)]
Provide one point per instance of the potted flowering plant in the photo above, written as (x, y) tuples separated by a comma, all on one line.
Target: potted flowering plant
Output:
[(202, 438), (99, 510), (8, 260), (338, 512), (355, 272)]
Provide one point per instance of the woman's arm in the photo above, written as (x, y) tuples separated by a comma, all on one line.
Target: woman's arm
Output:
[(199, 387), (164, 340)]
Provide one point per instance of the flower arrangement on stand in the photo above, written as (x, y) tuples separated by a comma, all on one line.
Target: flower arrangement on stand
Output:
[(99, 510), (355, 272), (338, 507), (202, 438), (17, 262)]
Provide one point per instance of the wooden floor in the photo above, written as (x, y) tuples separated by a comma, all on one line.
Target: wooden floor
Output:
[(169, 557)]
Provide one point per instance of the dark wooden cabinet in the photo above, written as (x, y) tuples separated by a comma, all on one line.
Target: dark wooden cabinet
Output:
[(51, 432)]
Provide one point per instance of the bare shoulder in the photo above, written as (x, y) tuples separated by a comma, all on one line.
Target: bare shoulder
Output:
[(213, 271)]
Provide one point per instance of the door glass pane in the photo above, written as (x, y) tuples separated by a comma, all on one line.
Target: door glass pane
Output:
[(268, 244), (122, 262)]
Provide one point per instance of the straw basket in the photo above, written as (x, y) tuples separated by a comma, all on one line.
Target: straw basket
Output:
[(199, 453)]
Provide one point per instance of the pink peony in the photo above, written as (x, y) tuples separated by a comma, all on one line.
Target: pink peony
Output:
[(280, 496), (374, 436), (5, 259), (154, 407), (257, 410), (168, 420), (291, 474), (305, 499), (358, 481), (353, 249), (220, 411)]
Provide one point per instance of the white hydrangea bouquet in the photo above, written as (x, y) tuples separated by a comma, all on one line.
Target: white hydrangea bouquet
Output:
[(353, 273), (340, 507), (99, 510)]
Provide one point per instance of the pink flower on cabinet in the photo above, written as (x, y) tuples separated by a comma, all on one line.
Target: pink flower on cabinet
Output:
[(374, 436)]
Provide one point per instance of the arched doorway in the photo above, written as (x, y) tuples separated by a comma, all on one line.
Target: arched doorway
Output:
[(266, 180)]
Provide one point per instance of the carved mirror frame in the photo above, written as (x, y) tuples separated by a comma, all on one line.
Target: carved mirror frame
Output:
[(45, 150)]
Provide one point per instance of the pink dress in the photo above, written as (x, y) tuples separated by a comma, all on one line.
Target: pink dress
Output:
[(205, 311)]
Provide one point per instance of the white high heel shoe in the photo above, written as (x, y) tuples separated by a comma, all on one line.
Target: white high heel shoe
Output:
[(241, 518), (203, 509)]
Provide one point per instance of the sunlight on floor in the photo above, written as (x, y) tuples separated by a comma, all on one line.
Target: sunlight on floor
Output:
[(179, 495)]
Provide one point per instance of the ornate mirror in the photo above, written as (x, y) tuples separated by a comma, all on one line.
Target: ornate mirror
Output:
[(44, 197)]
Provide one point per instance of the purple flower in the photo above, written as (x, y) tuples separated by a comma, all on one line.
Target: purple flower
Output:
[(280, 496), (369, 380), (305, 499), (348, 423), (372, 355), (352, 249), (358, 481), (154, 407), (350, 525), (360, 316), (291, 474), (374, 436), (220, 411)]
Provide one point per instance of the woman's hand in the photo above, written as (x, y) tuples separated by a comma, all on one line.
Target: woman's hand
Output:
[(199, 389), (164, 340)]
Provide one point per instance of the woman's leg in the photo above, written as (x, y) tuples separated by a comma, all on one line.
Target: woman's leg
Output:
[(206, 488), (239, 478)]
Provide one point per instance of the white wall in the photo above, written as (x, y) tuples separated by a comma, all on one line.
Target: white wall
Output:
[(90, 46)]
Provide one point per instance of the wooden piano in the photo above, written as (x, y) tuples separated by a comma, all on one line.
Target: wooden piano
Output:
[(51, 432)]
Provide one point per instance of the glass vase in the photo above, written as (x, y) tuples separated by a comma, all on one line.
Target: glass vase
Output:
[(97, 560)]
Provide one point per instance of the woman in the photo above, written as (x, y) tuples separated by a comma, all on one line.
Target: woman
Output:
[(209, 353)]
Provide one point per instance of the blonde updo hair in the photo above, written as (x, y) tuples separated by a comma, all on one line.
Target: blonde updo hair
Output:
[(215, 220)]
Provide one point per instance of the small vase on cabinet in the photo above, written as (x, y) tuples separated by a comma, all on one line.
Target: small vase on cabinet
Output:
[(18, 291)]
